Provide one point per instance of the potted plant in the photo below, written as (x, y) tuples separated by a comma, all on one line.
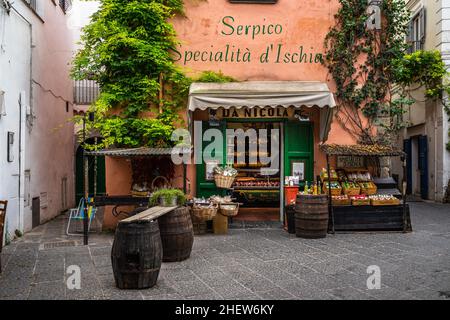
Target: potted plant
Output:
[(168, 197)]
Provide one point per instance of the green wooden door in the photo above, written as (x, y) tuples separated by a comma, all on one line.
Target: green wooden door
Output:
[(79, 175), (206, 186), (298, 147)]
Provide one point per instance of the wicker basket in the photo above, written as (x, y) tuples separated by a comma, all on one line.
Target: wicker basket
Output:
[(139, 193), (229, 209), (223, 181), (334, 191), (203, 213)]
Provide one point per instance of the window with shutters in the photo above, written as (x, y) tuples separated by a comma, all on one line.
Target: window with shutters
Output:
[(65, 5), (32, 4), (416, 34)]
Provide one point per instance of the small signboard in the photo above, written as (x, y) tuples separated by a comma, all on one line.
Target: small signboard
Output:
[(350, 162)]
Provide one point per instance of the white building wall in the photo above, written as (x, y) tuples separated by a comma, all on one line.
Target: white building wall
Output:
[(15, 72), (443, 121), (47, 131), (428, 118)]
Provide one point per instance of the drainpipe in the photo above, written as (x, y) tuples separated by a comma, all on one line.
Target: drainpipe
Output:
[(22, 116), (436, 153)]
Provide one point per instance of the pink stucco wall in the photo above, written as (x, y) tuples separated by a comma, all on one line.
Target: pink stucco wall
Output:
[(50, 155), (202, 31)]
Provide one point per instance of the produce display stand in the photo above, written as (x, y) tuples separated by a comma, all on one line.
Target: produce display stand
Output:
[(367, 217)]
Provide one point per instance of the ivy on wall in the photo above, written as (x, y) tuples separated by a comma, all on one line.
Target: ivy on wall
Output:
[(361, 63), (374, 77), (126, 49), (425, 69)]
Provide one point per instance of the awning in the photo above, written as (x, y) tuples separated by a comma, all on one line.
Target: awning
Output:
[(273, 94), (138, 152)]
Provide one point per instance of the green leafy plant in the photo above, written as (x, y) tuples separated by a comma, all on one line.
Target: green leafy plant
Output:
[(424, 69), (126, 50), (212, 76), (168, 195), (362, 65)]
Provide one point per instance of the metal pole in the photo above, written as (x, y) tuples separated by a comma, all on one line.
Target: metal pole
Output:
[(404, 186), (330, 204), (86, 186), (184, 178), (95, 169)]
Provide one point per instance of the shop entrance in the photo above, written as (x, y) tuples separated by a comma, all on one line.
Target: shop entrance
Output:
[(259, 185)]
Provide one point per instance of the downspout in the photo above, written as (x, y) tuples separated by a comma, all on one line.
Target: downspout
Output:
[(21, 127), (436, 153)]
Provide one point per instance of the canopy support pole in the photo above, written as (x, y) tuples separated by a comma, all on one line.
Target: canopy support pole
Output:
[(404, 186), (330, 204), (86, 187)]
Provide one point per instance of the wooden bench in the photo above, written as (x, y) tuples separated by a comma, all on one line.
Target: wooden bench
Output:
[(136, 253), (148, 215), (3, 205)]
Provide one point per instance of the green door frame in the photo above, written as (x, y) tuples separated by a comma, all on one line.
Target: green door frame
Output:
[(207, 188)]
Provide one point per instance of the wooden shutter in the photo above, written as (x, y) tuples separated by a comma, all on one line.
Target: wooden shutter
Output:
[(422, 25)]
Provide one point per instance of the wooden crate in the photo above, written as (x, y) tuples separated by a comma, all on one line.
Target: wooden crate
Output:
[(334, 191), (341, 202), (372, 189), (351, 191), (360, 202), (391, 202)]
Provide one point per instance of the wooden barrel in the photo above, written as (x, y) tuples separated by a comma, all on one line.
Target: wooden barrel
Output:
[(177, 235), (136, 254), (311, 216)]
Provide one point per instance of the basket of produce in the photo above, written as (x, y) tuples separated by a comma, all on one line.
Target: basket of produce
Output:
[(324, 175), (342, 200), (350, 188), (368, 188), (201, 212), (335, 188), (224, 176), (360, 200), (358, 175), (383, 200), (229, 209)]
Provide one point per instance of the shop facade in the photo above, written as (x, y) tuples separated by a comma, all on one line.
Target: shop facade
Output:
[(274, 51)]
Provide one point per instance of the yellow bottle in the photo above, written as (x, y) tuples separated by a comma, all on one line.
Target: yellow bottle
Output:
[(315, 189)]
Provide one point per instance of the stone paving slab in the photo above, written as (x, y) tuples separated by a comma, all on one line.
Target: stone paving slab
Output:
[(256, 262)]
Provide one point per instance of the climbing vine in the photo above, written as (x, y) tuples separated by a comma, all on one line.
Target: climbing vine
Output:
[(425, 69), (361, 63)]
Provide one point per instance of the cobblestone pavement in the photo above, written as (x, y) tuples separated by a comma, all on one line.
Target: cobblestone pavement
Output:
[(252, 263)]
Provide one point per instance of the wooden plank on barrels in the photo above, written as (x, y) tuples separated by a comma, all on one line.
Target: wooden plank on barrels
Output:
[(149, 214)]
